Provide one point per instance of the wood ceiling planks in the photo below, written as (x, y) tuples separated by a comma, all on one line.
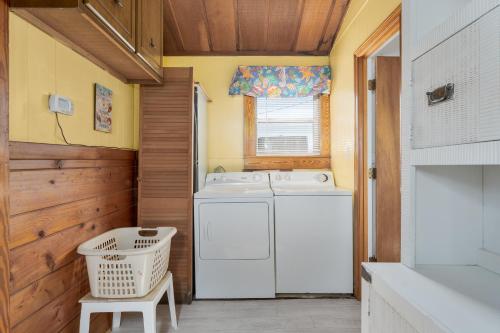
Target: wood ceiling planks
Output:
[(314, 18), (239, 27), (221, 17), (253, 20), (189, 18), (284, 13)]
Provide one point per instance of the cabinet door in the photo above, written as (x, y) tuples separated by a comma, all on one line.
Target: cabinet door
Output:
[(234, 230), (118, 15), (165, 196), (150, 43)]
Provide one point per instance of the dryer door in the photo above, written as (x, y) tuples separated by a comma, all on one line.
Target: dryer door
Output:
[(234, 230)]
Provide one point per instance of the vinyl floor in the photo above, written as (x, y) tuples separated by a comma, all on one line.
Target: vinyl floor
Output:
[(256, 316)]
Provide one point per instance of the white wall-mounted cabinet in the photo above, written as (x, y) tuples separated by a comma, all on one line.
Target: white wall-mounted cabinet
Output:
[(449, 278), (455, 87)]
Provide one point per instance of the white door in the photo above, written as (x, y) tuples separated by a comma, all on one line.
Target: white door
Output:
[(234, 230)]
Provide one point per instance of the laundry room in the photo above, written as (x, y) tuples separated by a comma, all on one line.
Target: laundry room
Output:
[(237, 166)]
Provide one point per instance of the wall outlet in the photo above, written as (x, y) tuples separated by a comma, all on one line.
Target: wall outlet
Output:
[(61, 104)]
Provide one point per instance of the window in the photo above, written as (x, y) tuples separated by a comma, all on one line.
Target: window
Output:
[(288, 126), (287, 133)]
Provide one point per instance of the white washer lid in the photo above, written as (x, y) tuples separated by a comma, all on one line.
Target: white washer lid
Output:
[(312, 183), (236, 185)]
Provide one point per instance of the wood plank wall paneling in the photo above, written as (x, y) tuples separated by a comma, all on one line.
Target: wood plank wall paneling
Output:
[(61, 196), (4, 164), (165, 168)]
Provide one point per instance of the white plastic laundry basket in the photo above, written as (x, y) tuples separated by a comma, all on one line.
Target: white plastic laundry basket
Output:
[(127, 262)]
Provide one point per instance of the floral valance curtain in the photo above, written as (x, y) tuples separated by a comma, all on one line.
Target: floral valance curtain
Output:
[(281, 81)]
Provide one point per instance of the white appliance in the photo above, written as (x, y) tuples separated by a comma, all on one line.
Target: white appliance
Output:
[(314, 237), (200, 137), (234, 237)]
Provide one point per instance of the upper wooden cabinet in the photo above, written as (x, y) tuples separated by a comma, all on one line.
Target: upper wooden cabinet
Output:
[(121, 15), (150, 38), (124, 37)]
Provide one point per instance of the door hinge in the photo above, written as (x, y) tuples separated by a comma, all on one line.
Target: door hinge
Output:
[(372, 173), (372, 85)]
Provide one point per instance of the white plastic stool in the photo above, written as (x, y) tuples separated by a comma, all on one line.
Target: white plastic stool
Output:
[(146, 305)]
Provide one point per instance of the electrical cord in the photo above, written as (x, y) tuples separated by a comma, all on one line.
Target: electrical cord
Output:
[(80, 145), (61, 129)]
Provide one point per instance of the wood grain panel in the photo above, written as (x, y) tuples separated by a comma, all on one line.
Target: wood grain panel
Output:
[(333, 25), (4, 166), (63, 186), (48, 277), (33, 261), (250, 128), (252, 27), (66, 164), (325, 126), (283, 13), (32, 298), (38, 224), (40, 151), (387, 156), (56, 315), (253, 19), (165, 168), (286, 163), (221, 17), (314, 18), (150, 32), (191, 24), (122, 16)]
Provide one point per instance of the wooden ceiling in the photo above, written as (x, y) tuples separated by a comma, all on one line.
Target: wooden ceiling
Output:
[(252, 27)]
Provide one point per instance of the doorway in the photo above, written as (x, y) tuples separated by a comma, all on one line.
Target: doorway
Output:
[(377, 148), (383, 152)]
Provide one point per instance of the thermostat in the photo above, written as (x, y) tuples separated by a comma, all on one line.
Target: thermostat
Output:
[(61, 104)]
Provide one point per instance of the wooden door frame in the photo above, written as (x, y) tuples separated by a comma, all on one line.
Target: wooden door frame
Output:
[(4, 167), (390, 27)]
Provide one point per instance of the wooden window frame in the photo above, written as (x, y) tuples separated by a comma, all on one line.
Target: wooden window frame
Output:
[(254, 162)]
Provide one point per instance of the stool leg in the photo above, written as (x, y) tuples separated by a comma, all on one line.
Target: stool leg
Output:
[(117, 316), (84, 320), (171, 303), (149, 316)]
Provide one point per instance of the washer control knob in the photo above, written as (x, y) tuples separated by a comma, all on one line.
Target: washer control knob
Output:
[(278, 177), (323, 178), (257, 178), (287, 177)]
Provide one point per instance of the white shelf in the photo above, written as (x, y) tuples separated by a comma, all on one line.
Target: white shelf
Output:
[(481, 153), (474, 282), (458, 299)]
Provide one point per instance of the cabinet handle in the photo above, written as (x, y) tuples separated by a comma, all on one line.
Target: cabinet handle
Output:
[(119, 3), (152, 43), (440, 94)]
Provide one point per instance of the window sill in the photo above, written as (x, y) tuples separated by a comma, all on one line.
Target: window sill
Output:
[(286, 162)]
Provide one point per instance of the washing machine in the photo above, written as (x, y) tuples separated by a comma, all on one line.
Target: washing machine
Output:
[(314, 233), (234, 237)]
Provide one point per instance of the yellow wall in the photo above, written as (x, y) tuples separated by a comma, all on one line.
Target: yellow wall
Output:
[(39, 66), (362, 18), (225, 113)]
